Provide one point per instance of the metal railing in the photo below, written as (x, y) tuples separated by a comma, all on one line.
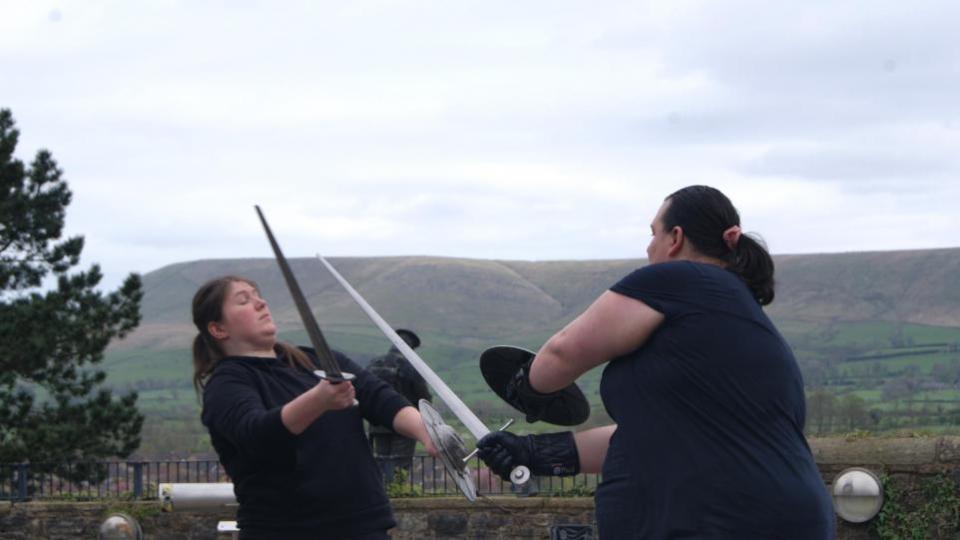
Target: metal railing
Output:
[(140, 480), (102, 479)]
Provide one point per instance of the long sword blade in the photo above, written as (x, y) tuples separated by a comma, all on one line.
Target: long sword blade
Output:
[(520, 474), (324, 355), (456, 405)]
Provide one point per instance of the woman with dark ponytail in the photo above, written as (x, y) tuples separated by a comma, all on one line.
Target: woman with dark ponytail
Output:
[(706, 394), (293, 445)]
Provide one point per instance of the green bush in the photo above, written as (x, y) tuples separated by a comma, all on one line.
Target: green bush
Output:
[(932, 511), (399, 486)]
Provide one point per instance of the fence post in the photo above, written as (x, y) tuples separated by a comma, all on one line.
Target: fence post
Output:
[(137, 478), (23, 469)]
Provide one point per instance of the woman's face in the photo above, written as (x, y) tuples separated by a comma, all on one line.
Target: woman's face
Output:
[(658, 250), (246, 325)]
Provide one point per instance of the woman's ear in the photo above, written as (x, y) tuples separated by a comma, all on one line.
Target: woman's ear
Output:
[(676, 241), (217, 330)]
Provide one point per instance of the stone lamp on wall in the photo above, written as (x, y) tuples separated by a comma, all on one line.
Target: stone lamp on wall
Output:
[(119, 527), (857, 495)]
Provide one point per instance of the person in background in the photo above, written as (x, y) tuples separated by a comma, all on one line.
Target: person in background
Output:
[(391, 449), (293, 444), (706, 396)]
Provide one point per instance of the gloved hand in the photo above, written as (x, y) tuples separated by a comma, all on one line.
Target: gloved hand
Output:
[(531, 402), (547, 454)]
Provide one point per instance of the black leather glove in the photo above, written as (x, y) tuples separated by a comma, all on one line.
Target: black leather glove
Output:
[(547, 454), (520, 392)]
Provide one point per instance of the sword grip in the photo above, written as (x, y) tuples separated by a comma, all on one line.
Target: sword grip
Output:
[(336, 379), (519, 475)]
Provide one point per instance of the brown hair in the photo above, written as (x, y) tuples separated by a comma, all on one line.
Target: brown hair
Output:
[(208, 307), (705, 213)]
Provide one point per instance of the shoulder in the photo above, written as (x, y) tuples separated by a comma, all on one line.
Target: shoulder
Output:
[(312, 353), (229, 367), (675, 273), (676, 286), (658, 276), (345, 362), (674, 269), (227, 374)]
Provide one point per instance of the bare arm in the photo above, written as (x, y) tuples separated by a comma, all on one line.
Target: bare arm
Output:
[(612, 326), (408, 423), (298, 414), (592, 447)]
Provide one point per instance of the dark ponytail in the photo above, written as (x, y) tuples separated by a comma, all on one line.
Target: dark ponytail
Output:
[(206, 354), (208, 307), (706, 216)]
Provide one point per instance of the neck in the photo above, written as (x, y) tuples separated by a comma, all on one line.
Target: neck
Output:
[(248, 351), (711, 260), (694, 256)]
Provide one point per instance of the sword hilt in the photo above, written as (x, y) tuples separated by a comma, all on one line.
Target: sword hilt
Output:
[(334, 378), (475, 450), (343, 376), (520, 474)]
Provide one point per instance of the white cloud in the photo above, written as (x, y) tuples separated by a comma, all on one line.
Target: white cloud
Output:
[(526, 130)]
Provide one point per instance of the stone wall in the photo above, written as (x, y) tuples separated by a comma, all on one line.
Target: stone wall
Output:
[(420, 519), (906, 462), (503, 517)]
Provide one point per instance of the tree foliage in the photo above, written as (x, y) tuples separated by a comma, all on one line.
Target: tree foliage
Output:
[(55, 325)]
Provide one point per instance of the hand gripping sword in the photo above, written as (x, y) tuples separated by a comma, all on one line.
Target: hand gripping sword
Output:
[(331, 370), (440, 433)]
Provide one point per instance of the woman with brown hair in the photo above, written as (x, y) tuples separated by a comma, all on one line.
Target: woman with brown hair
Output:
[(294, 445)]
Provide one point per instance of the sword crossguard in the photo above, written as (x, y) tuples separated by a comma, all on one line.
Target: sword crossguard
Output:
[(336, 379), (519, 475), (475, 450)]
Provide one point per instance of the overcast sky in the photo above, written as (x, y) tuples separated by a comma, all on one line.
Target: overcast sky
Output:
[(508, 130)]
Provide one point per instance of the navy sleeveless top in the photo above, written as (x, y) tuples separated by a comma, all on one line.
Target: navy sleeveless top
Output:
[(710, 415)]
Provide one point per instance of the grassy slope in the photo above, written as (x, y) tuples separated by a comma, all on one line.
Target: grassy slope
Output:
[(829, 307)]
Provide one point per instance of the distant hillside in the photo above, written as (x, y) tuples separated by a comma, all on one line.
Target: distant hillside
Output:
[(481, 299), (462, 299), (921, 287), (836, 310)]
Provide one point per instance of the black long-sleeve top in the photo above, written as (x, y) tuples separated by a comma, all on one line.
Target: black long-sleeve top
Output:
[(324, 479)]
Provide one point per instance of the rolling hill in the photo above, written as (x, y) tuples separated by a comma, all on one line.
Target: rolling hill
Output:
[(831, 307)]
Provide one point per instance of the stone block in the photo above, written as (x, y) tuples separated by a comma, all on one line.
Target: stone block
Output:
[(448, 524), (875, 451), (488, 521), (949, 451)]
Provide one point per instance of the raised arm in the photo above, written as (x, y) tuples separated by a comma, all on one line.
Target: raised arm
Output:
[(612, 326)]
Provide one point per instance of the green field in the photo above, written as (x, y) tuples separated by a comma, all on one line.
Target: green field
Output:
[(834, 310), (880, 376), (163, 379)]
